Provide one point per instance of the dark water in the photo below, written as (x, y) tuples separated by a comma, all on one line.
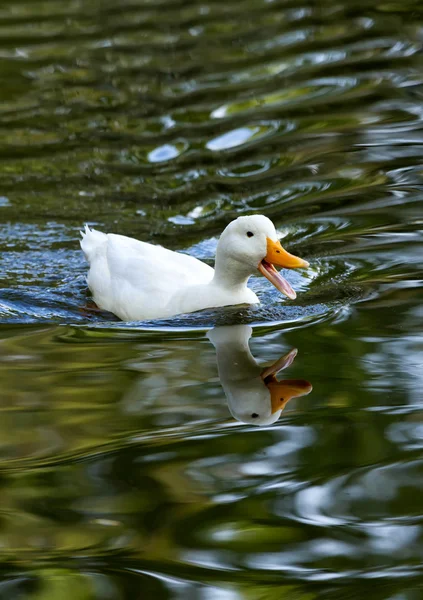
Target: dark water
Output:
[(123, 473)]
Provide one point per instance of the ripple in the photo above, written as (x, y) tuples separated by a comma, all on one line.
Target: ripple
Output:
[(122, 470), (361, 498), (236, 137), (165, 152)]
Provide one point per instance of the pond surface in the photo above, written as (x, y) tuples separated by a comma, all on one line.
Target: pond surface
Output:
[(129, 465)]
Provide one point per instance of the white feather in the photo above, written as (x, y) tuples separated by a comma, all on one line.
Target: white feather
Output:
[(136, 280)]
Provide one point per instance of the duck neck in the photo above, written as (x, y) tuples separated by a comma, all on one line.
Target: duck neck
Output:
[(234, 358), (230, 274)]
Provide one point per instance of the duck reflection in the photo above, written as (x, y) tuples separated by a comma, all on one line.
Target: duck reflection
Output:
[(253, 393)]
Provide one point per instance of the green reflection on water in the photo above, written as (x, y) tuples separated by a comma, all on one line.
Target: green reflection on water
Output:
[(123, 473)]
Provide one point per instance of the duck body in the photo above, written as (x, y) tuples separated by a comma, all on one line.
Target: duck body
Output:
[(136, 280)]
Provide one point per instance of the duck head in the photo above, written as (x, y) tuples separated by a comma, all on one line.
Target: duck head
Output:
[(261, 399), (249, 244), (261, 403), (254, 395)]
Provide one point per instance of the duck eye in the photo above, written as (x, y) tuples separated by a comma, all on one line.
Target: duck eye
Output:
[(254, 415), (250, 233)]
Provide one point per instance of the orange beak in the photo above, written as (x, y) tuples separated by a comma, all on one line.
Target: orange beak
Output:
[(282, 363), (276, 255), (281, 392)]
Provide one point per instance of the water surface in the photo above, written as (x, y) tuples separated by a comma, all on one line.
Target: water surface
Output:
[(123, 472)]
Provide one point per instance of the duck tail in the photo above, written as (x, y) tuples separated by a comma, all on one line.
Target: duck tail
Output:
[(91, 241)]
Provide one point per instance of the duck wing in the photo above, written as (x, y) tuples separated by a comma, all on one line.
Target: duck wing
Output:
[(149, 265), (136, 280), (144, 278)]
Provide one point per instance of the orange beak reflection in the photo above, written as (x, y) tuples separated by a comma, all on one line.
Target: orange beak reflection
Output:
[(276, 255), (281, 392)]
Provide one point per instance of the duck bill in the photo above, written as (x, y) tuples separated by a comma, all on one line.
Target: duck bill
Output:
[(281, 392), (276, 255), (282, 363), (280, 283)]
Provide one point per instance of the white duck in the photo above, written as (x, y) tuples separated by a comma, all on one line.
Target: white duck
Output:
[(136, 280), (253, 393)]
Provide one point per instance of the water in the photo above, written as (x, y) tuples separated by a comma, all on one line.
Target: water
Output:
[(124, 473)]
